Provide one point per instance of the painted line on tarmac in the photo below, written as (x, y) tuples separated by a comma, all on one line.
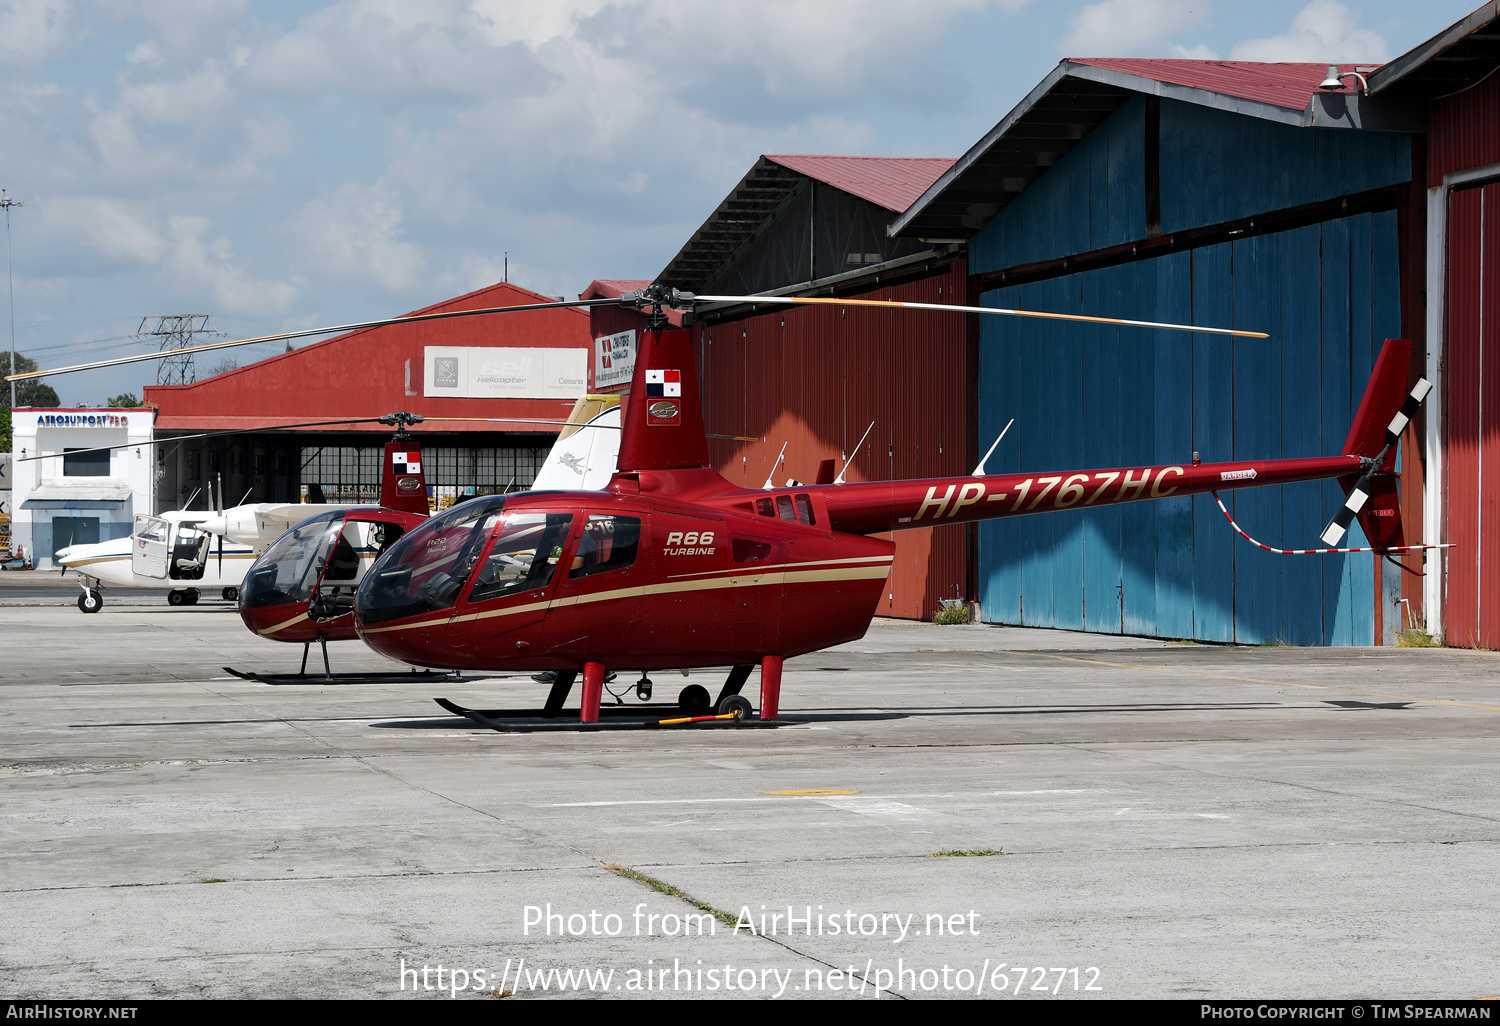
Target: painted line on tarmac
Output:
[(1256, 680), (820, 798)]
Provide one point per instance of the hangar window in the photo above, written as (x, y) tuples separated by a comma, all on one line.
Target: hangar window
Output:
[(608, 543)]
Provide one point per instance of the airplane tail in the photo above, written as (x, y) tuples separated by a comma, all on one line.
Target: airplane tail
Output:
[(1384, 412)]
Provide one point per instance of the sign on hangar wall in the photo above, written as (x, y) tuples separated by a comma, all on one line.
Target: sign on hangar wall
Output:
[(482, 372), (614, 362)]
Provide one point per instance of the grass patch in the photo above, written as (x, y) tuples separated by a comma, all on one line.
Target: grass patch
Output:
[(950, 615), (960, 853), (1416, 638), (662, 887), (213, 879)]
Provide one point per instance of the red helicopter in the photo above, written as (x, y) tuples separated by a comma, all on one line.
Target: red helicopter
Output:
[(673, 566), (301, 589)]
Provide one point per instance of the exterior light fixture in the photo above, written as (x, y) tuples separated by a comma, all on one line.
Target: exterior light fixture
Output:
[(1334, 80)]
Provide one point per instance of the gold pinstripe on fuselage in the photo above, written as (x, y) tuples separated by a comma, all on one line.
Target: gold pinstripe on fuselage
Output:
[(713, 581)]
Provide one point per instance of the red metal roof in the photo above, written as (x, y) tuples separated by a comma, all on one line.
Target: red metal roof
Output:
[(609, 288), (891, 182), (1282, 85), (369, 372)]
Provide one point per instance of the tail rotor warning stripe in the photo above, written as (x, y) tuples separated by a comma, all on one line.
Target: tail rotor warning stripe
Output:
[(1319, 552)]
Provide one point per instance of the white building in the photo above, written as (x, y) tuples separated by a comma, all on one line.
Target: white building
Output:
[(76, 495)]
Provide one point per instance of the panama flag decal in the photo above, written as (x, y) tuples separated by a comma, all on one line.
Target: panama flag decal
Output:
[(663, 383), (401, 464)]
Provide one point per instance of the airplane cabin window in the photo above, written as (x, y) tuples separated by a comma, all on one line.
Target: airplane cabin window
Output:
[(525, 555), (765, 507), (608, 543), (805, 510), (784, 507)]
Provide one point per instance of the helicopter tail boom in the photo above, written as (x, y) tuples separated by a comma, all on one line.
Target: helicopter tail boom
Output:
[(1365, 469)]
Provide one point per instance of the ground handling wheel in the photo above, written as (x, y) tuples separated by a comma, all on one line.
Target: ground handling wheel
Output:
[(694, 700), (738, 705), (643, 688), (230, 594), (91, 601), (190, 597), (176, 598)]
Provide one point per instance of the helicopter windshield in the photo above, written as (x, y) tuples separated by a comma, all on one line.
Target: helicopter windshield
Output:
[(426, 570), (288, 570)]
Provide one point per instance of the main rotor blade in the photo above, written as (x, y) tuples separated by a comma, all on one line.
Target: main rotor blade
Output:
[(567, 423), (307, 332), (995, 310), (202, 434)]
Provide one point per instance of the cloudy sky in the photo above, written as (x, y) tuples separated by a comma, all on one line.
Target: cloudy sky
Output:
[(279, 164)]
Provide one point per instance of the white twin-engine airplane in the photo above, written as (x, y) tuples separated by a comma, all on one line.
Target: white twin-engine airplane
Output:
[(193, 550)]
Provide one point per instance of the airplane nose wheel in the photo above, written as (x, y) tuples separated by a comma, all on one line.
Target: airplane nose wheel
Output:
[(91, 601), (643, 688)]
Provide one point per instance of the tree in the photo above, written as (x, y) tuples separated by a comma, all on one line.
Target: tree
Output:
[(5, 425), (28, 393), (127, 399)]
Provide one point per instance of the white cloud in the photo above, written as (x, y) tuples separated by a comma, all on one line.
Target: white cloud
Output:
[(1201, 52), (1324, 30), (33, 31), (357, 232), (196, 264), (105, 227), (1131, 28)]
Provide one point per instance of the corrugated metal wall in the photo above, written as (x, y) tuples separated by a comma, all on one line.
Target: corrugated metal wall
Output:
[(1472, 421), (815, 377), (1103, 396), (1463, 131), (1329, 294)]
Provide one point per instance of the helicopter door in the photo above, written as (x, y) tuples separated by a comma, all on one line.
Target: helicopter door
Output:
[(149, 551), (333, 596), (607, 575), (512, 585)]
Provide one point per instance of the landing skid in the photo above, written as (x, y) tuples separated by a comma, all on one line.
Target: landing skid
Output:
[(409, 677), (628, 717)]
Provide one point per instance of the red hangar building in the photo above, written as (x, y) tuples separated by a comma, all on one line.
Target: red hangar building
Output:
[(466, 376)]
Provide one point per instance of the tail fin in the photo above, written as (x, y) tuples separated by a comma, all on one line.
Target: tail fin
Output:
[(1383, 414), (402, 485), (663, 427)]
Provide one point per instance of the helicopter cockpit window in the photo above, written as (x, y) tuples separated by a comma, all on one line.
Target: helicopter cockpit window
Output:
[(343, 562), (525, 555), (288, 570), (608, 543), (426, 569)]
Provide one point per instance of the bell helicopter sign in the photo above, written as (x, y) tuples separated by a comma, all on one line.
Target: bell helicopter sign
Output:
[(483, 372)]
